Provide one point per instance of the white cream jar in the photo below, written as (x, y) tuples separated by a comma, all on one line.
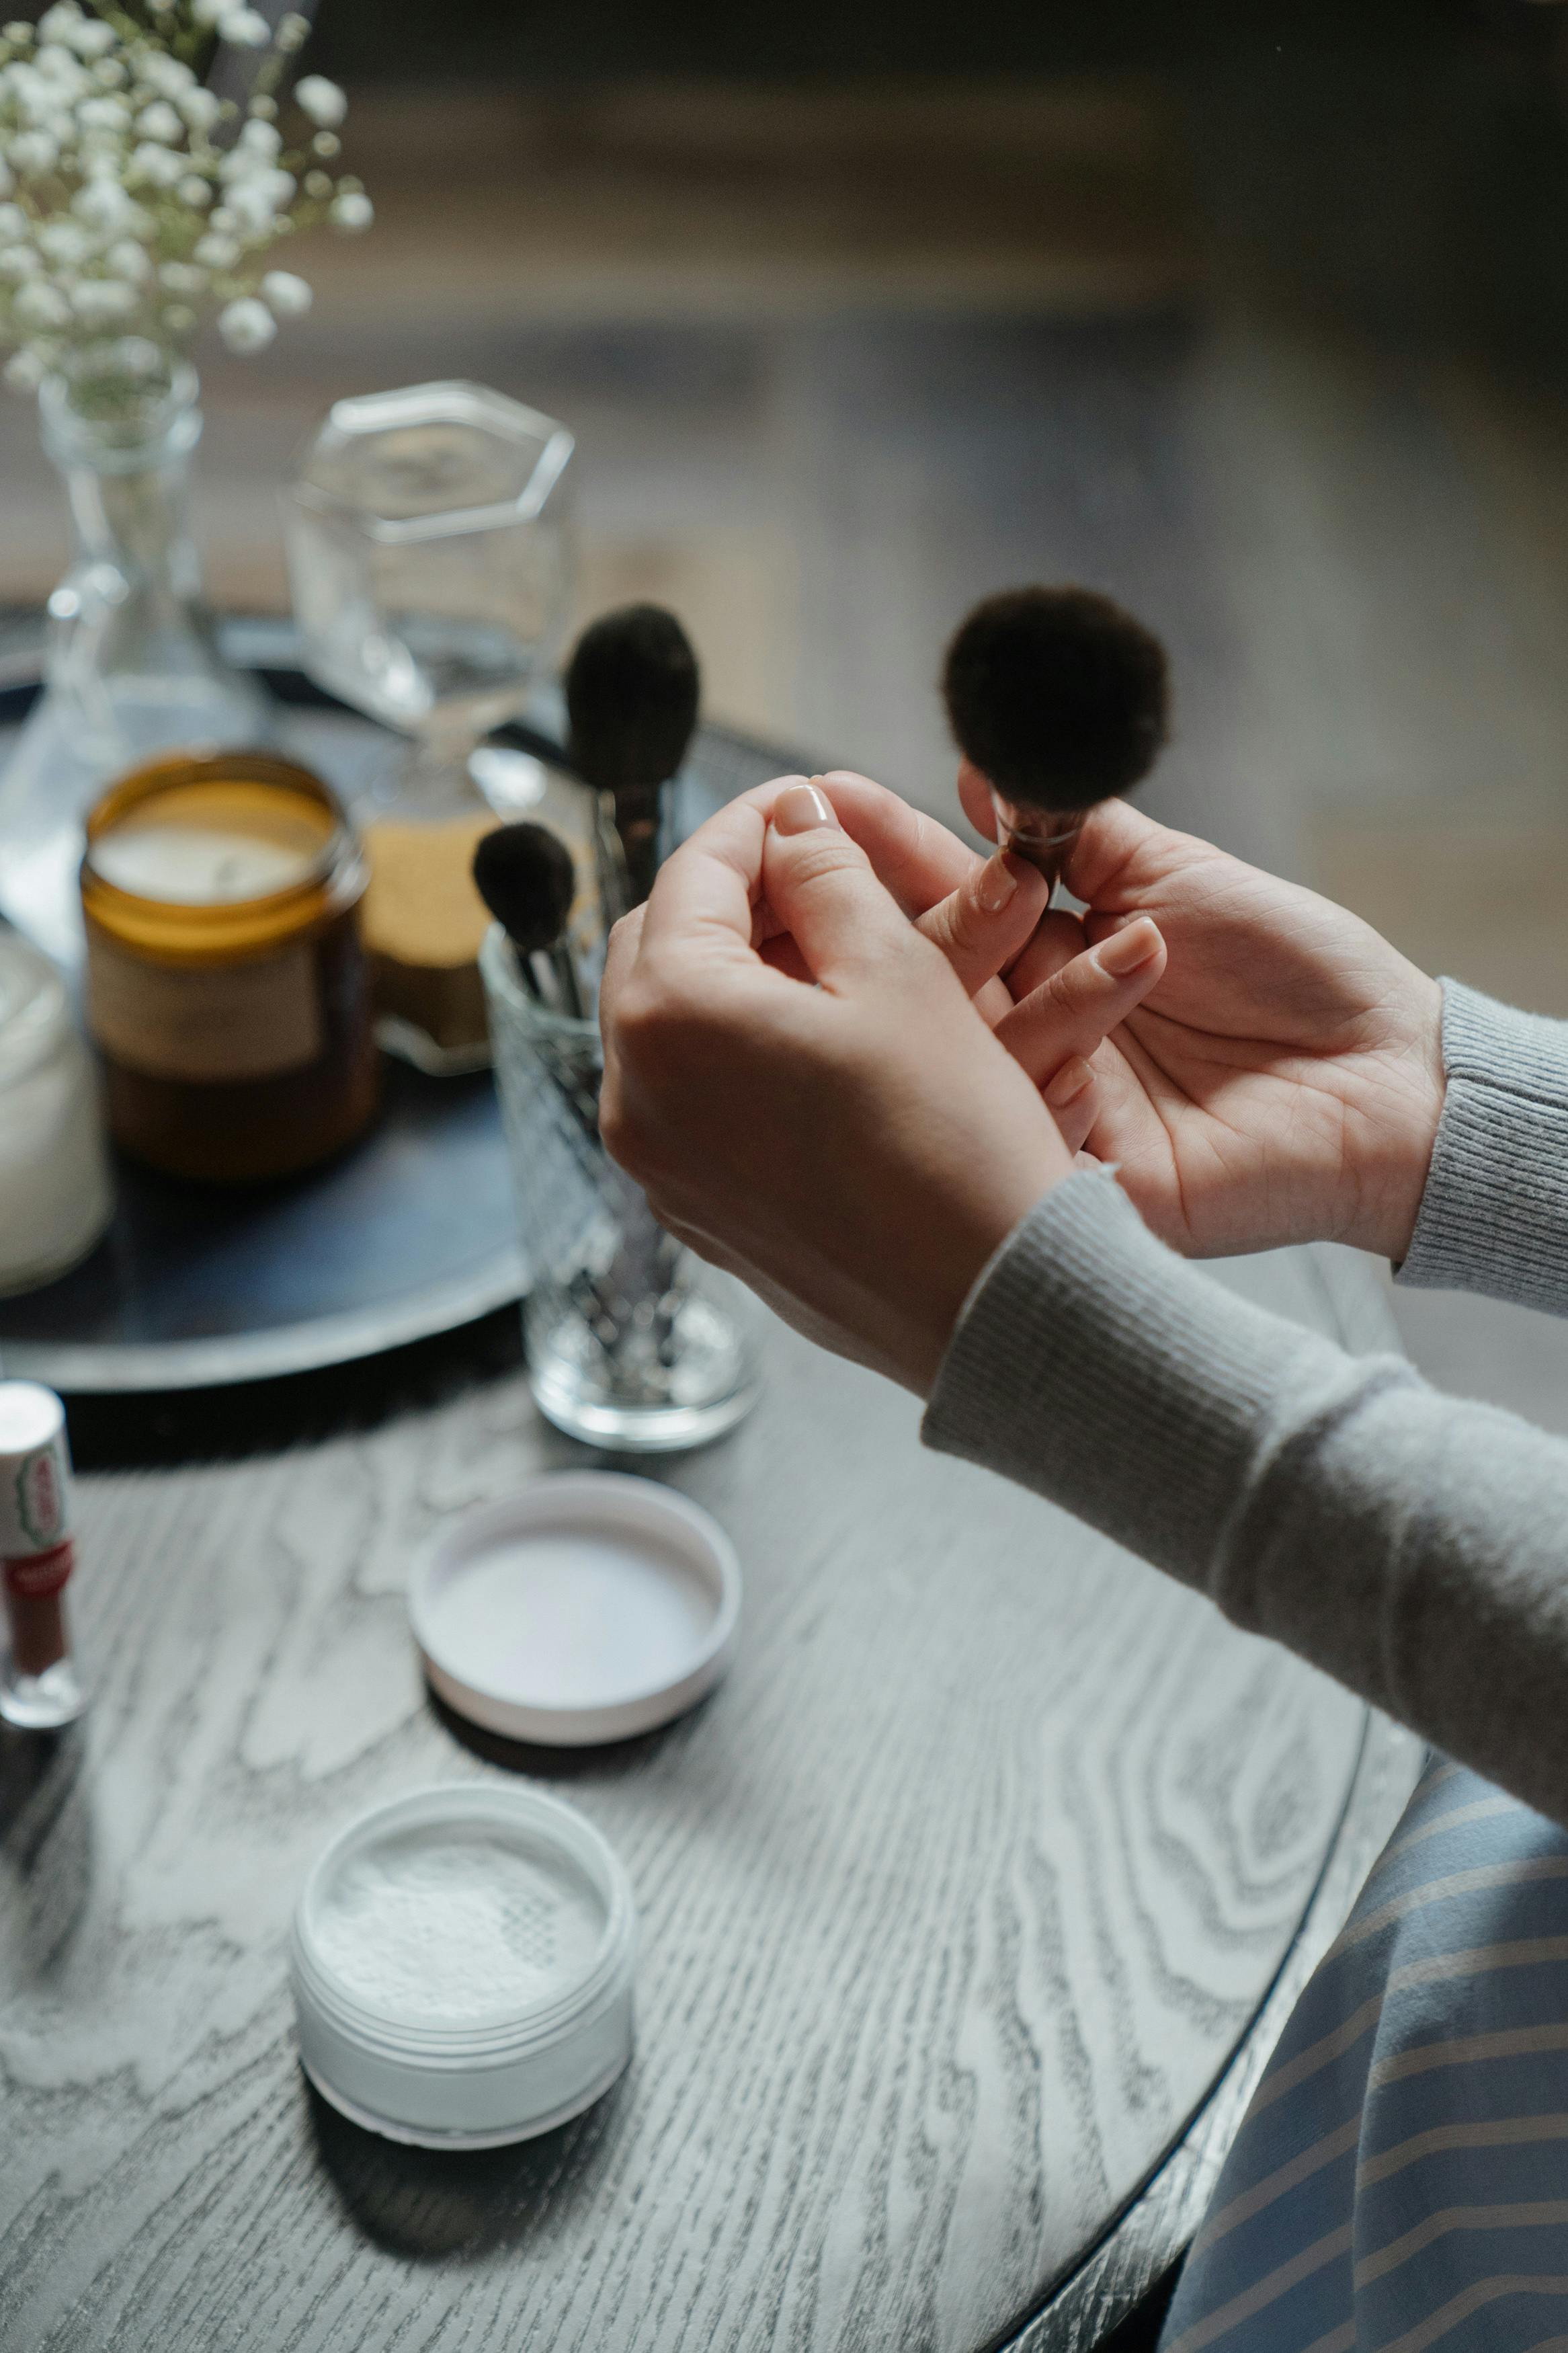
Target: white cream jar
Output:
[(462, 1963)]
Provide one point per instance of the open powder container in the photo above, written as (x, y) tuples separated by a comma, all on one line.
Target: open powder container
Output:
[(588, 1607), (462, 1962)]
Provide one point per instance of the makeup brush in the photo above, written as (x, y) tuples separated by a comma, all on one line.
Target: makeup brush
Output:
[(1060, 699), (632, 690), (526, 878)]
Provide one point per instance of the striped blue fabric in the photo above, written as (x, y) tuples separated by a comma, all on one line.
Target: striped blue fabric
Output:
[(1401, 2178)]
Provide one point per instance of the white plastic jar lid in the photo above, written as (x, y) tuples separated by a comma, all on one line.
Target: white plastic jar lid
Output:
[(587, 1607), (462, 1963)]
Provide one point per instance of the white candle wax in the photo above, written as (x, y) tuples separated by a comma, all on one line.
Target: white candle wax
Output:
[(55, 1196), (203, 865)]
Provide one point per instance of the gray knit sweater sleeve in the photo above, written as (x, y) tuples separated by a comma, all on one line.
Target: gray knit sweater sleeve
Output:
[(1494, 1216), (1413, 1546)]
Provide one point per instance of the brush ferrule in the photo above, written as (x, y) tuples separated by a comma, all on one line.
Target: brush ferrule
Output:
[(1042, 838)]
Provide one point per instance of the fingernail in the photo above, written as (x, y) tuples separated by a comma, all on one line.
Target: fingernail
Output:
[(1124, 952), (998, 881), (1069, 1083), (800, 807)]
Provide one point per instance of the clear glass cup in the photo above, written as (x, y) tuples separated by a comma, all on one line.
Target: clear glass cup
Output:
[(633, 1343), (429, 559)]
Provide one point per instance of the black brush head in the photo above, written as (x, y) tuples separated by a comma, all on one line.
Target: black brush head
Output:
[(632, 690), (1058, 696), (524, 876)]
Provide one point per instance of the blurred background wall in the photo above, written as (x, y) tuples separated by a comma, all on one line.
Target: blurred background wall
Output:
[(1255, 314)]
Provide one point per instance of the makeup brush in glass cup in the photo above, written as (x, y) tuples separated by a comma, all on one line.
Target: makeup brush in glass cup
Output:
[(1060, 699), (632, 695), (632, 1343)]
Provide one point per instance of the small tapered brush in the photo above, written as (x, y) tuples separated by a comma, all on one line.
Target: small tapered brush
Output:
[(525, 876), (1060, 699), (632, 693)]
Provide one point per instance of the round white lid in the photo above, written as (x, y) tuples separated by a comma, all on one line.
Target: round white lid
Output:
[(588, 1607)]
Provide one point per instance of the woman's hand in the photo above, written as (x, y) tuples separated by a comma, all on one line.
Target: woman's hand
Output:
[(856, 1149), (1284, 1079)]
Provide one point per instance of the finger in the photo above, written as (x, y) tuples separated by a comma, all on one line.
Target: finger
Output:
[(919, 860), (620, 954), (1070, 1013), (821, 885), (704, 895), (1058, 937), (1120, 854), (1072, 1097), (974, 795), (988, 921)]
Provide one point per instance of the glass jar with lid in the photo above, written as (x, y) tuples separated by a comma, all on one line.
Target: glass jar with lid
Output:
[(226, 983)]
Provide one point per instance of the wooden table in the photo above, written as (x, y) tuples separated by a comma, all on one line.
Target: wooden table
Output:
[(969, 1903)]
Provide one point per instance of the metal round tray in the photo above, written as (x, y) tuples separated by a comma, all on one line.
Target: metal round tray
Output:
[(412, 1233)]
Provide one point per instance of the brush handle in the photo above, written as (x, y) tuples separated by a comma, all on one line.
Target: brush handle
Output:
[(1043, 839)]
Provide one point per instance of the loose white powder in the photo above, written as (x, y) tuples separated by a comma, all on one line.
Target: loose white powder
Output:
[(447, 1926)]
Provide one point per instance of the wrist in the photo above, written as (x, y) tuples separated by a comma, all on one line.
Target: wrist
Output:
[(1407, 1127)]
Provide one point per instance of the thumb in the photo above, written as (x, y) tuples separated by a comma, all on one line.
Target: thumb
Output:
[(821, 888)]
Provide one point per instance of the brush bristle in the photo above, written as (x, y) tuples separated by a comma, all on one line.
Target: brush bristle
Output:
[(632, 690), (524, 876), (1058, 696)]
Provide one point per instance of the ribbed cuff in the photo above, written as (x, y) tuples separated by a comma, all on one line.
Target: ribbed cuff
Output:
[(1494, 1214), (1092, 1364)]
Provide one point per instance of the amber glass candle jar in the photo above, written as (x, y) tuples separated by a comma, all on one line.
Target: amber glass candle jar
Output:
[(226, 985)]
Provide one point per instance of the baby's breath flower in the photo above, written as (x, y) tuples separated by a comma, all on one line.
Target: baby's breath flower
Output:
[(127, 259), (326, 143), (317, 185), (261, 139), (179, 322), (14, 223), (103, 204), (182, 278), (215, 252), (351, 212), (6, 182), (25, 371), (263, 109), (19, 261), (102, 301), (38, 304), (286, 296), (194, 192), (55, 22), (161, 167), (19, 33), (65, 243), (293, 32), (320, 100), (33, 153), (247, 325), (106, 113), (207, 12), (247, 29), (91, 38), (110, 74), (168, 75), (200, 108), (161, 123)]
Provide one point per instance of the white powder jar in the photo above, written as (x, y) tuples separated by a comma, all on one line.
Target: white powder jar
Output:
[(462, 1963)]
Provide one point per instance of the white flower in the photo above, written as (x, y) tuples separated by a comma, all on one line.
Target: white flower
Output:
[(55, 23), (38, 304), (321, 100), (25, 371), (103, 114), (351, 212), (254, 202), (91, 39), (178, 320), (161, 123), (127, 259), (207, 12), (19, 31), (286, 296), (33, 153), (261, 139), (164, 74), (215, 252), (317, 185), (247, 325), (194, 192), (247, 29), (102, 300), (6, 182), (13, 223), (103, 204), (59, 67), (200, 108), (182, 278), (64, 242), (110, 74), (18, 261), (162, 166)]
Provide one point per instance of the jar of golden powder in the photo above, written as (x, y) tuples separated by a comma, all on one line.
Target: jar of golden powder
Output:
[(226, 984)]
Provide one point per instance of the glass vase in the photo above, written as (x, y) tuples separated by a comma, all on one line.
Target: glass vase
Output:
[(132, 666)]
